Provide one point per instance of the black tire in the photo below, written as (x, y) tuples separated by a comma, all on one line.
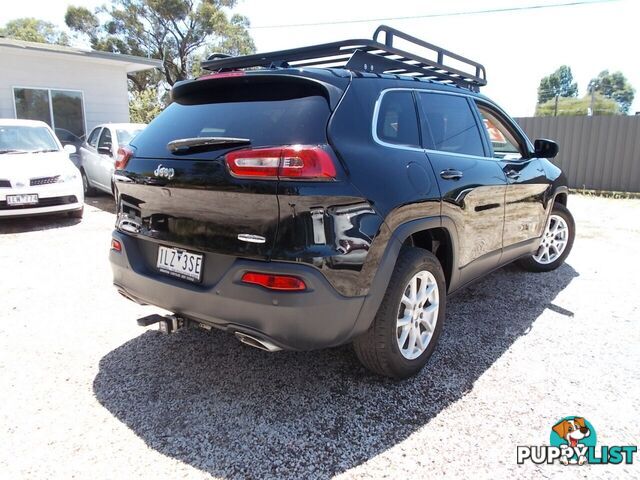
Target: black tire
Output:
[(377, 348), (76, 213), (89, 191), (532, 265)]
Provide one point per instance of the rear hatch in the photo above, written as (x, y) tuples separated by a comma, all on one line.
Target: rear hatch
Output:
[(177, 188)]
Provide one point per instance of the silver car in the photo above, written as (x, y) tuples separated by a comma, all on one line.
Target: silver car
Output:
[(98, 154)]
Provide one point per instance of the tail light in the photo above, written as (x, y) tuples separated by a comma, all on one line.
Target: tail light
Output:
[(123, 157), (275, 282), (116, 245), (298, 162)]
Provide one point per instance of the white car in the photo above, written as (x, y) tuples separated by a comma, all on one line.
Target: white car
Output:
[(98, 154), (36, 174)]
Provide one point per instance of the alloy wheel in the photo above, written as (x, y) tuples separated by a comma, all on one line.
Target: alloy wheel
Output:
[(554, 241), (417, 315)]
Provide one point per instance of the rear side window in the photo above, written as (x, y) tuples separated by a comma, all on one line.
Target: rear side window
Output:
[(265, 122), (397, 121), (451, 125)]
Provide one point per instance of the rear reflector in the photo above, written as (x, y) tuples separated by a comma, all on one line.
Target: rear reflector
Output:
[(116, 245), (275, 282), (124, 154), (297, 162)]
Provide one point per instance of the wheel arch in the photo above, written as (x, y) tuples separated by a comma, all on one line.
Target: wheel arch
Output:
[(561, 195), (436, 240), (426, 232), (561, 198)]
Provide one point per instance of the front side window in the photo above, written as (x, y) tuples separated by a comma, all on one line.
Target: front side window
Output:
[(397, 119), (503, 140), (105, 139), (60, 109), (93, 138), (450, 124)]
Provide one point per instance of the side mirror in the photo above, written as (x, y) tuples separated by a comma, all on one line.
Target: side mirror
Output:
[(70, 149), (106, 150), (545, 148)]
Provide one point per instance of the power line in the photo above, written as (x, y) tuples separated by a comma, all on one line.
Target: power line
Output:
[(437, 15)]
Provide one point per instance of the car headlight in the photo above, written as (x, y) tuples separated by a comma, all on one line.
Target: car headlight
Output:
[(67, 177)]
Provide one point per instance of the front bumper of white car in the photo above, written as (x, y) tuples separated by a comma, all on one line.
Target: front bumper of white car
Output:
[(54, 197)]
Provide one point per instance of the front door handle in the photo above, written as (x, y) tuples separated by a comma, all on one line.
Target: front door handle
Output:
[(451, 174), (512, 174)]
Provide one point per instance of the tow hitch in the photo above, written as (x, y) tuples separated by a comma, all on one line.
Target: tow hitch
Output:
[(166, 324)]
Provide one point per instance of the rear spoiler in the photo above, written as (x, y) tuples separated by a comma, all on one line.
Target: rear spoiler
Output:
[(245, 86)]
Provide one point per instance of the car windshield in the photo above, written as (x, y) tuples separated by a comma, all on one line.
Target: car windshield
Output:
[(25, 139), (125, 135)]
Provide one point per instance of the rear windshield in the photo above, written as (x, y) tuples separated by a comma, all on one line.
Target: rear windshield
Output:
[(265, 122)]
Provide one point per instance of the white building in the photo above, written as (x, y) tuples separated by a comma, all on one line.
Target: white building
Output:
[(71, 89)]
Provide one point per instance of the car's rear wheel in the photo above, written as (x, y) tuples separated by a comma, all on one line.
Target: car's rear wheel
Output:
[(86, 186), (406, 328), (556, 242)]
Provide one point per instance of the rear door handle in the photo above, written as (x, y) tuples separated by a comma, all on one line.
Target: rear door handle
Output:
[(451, 174)]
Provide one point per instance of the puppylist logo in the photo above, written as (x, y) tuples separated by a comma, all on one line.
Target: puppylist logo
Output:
[(573, 442)]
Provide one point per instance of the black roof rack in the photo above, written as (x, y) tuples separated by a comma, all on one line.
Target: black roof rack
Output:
[(366, 55)]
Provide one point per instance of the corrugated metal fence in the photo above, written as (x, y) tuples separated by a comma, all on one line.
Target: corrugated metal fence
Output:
[(600, 153)]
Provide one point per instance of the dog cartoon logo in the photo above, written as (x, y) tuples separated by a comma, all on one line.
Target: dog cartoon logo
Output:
[(573, 442), (574, 432)]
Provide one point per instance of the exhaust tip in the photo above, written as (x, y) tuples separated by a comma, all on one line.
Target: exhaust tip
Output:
[(258, 343)]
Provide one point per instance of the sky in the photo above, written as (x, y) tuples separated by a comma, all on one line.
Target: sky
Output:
[(517, 48)]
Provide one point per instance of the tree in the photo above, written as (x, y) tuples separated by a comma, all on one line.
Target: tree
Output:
[(559, 84), (614, 86), (34, 30), (178, 32), (578, 106), (144, 106)]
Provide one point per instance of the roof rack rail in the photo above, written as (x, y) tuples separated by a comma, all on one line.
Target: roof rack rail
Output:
[(364, 55)]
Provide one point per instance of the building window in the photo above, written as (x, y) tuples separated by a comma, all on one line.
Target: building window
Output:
[(60, 109)]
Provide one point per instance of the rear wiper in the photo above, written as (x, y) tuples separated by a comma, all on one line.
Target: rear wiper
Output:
[(45, 150), (184, 145)]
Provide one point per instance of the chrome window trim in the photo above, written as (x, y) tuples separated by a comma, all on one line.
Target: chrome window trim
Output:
[(374, 123), (474, 98)]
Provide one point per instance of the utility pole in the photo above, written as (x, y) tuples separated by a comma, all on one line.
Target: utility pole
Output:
[(593, 94), (555, 113)]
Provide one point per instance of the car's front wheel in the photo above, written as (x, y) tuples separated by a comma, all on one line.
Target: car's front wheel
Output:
[(556, 242), (406, 328), (76, 213)]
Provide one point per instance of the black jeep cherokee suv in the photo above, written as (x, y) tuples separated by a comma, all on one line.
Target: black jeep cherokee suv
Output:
[(337, 193)]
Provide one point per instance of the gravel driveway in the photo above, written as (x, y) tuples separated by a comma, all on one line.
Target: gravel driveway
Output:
[(86, 393)]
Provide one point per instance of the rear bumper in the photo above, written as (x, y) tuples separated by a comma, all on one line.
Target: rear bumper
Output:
[(317, 318)]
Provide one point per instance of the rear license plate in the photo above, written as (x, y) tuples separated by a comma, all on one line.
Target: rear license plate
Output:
[(22, 199), (180, 263)]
